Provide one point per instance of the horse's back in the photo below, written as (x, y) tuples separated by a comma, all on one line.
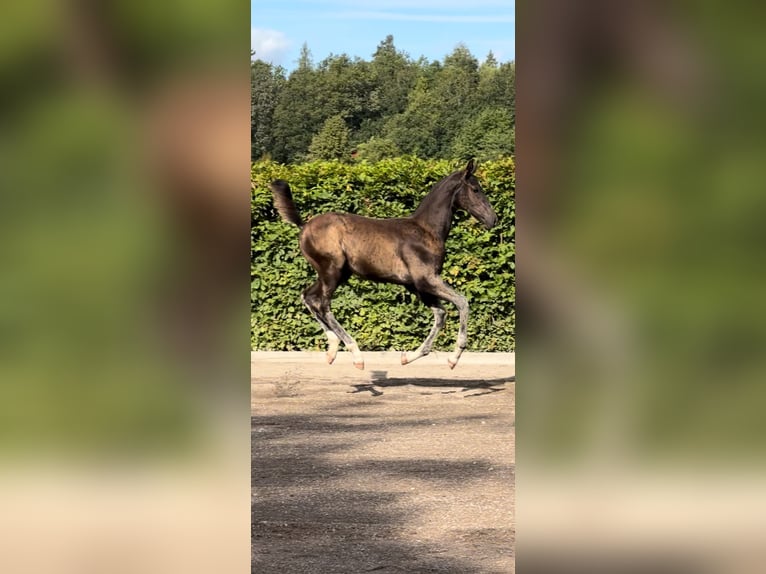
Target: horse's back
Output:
[(359, 227)]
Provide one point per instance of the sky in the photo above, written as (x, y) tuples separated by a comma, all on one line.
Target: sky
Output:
[(430, 28)]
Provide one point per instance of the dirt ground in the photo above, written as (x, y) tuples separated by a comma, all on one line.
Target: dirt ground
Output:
[(391, 469)]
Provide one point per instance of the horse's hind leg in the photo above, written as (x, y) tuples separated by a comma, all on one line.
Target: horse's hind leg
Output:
[(425, 348), (317, 299), (331, 277), (347, 339), (311, 297)]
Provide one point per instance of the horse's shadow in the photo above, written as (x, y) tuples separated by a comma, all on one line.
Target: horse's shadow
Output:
[(381, 379)]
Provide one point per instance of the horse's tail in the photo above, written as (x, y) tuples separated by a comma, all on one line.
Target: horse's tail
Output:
[(283, 201)]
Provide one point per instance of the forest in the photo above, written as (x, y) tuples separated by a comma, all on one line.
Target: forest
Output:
[(348, 109)]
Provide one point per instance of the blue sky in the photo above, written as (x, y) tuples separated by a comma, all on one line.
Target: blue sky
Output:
[(430, 28)]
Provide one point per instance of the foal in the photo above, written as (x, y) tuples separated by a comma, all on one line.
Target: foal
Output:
[(408, 251)]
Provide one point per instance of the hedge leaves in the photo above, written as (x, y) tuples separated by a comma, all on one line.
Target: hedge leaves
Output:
[(480, 264)]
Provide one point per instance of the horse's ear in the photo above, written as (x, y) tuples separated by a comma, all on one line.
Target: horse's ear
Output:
[(470, 168)]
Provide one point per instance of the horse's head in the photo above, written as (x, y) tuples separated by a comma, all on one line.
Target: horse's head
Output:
[(471, 197)]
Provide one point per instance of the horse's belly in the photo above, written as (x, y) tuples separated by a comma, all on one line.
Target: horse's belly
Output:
[(379, 264)]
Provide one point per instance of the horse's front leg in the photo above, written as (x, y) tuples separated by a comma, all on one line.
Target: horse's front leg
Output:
[(425, 348), (462, 337), (438, 288)]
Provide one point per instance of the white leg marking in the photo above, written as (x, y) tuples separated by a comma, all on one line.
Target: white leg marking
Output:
[(332, 346), (357, 355), (410, 356)]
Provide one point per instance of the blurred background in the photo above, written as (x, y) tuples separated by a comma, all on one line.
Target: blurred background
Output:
[(124, 232), (641, 318)]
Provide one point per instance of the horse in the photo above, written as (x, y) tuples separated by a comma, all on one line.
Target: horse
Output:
[(408, 251)]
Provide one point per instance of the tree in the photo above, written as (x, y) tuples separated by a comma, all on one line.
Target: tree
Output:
[(456, 90), (443, 99), (346, 89), (417, 130), (490, 62), (305, 61), (297, 116), (487, 136), (425, 108), (497, 87), (266, 83), (332, 140), (376, 149), (394, 76)]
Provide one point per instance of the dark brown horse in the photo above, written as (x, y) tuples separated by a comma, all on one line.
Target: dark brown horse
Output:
[(408, 251)]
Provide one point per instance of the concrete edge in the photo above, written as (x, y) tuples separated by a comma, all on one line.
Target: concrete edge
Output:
[(467, 358)]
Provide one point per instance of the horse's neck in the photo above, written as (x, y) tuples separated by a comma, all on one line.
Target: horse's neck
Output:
[(436, 210)]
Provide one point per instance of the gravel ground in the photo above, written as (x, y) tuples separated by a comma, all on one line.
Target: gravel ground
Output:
[(391, 469)]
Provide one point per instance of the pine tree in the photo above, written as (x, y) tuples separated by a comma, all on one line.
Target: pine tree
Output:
[(332, 140)]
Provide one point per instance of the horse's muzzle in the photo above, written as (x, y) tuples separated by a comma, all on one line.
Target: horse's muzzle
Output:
[(491, 221)]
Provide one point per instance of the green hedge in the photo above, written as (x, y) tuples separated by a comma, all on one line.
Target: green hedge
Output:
[(479, 264)]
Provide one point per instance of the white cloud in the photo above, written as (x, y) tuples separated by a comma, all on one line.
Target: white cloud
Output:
[(269, 45)]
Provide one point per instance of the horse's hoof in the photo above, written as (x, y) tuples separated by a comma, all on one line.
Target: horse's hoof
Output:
[(359, 365), (330, 359), (404, 359), (451, 364)]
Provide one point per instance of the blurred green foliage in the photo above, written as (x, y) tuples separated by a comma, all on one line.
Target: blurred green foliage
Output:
[(480, 263), (654, 185), (80, 254), (103, 412), (88, 241)]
